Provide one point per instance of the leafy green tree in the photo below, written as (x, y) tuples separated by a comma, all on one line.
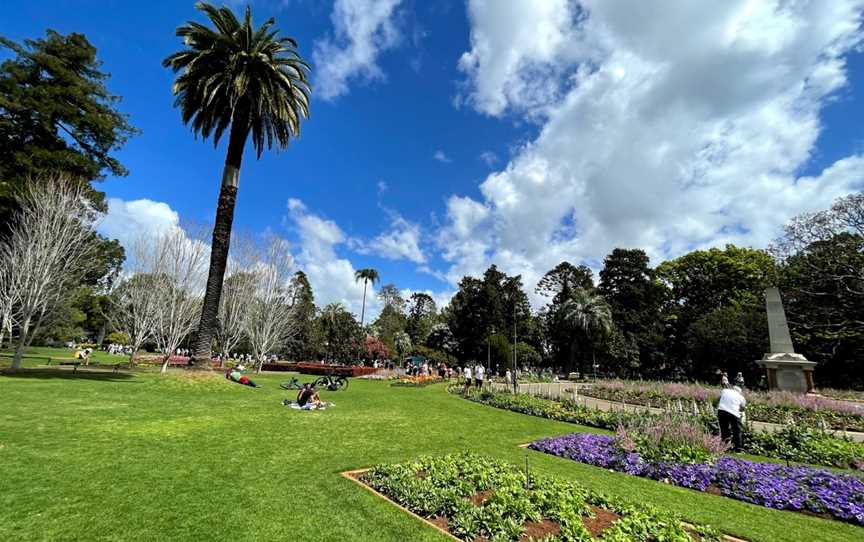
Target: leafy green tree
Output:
[(85, 315), (253, 81), (366, 275), (340, 334), (56, 114), (635, 297), (421, 317), (482, 307), (563, 279), (392, 319), (527, 355), (703, 281), (558, 285), (500, 352), (302, 346), (586, 313), (823, 302), (441, 338), (729, 339)]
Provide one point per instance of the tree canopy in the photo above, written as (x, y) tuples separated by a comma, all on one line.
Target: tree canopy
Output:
[(56, 115)]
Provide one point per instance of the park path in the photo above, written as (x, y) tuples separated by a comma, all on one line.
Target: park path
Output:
[(558, 390)]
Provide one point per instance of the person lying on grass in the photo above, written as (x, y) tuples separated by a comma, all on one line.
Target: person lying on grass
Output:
[(235, 374)]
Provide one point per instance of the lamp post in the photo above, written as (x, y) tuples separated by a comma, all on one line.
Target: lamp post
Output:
[(515, 382)]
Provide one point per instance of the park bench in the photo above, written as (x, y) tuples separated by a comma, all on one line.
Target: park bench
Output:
[(74, 364)]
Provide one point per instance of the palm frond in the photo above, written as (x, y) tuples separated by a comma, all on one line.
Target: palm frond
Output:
[(234, 69)]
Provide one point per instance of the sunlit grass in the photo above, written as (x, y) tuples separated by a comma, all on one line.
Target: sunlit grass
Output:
[(192, 457)]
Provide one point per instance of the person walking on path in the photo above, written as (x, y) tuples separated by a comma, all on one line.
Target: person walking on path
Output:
[(467, 376), (729, 412)]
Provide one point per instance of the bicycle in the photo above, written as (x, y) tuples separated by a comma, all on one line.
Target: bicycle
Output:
[(332, 383), (292, 384)]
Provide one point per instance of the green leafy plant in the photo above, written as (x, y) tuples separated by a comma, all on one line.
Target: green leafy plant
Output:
[(444, 487)]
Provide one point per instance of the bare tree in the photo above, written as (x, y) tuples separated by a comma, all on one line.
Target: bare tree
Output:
[(269, 320), (135, 301), (47, 249), (171, 266), (8, 303), (237, 294)]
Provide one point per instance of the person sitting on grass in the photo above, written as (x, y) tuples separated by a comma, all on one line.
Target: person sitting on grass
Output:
[(308, 398), (235, 374)]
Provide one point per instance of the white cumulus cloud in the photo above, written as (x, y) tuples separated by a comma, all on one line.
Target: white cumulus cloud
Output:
[(665, 125), (128, 221), (331, 277), (362, 29), (400, 242)]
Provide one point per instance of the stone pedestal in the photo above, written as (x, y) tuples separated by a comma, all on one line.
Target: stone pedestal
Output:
[(788, 371)]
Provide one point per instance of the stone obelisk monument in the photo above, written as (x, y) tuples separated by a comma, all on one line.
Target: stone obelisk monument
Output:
[(785, 369)]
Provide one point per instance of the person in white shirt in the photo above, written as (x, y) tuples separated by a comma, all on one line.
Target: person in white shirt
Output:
[(478, 376), (729, 412), (467, 376)]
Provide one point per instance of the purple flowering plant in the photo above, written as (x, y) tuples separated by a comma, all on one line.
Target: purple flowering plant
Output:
[(797, 488)]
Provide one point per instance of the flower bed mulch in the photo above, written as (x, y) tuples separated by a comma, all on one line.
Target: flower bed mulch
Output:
[(475, 498), (797, 488)]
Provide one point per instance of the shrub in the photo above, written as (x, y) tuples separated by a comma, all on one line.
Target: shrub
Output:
[(798, 443), (671, 438)]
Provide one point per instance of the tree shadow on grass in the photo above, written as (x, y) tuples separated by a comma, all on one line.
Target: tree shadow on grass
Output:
[(68, 374)]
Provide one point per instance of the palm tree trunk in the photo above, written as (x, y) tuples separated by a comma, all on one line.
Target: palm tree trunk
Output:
[(363, 310), (221, 242)]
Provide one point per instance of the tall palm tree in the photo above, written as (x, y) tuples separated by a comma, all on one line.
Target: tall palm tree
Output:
[(253, 81), (366, 275), (588, 312)]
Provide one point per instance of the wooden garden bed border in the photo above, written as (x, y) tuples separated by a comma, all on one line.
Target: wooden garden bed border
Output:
[(350, 475)]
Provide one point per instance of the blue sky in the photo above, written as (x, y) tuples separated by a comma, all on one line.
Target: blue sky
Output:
[(446, 136)]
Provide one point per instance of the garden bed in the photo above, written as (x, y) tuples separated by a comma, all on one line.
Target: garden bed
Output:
[(475, 498), (791, 443), (772, 407), (415, 381), (797, 488)]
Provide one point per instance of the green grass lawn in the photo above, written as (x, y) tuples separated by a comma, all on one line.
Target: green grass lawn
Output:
[(149, 457), (36, 356)]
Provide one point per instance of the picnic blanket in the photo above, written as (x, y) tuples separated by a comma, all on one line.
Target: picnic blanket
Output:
[(307, 406)]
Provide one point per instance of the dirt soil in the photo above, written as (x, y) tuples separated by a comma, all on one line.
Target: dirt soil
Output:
[(535, 530), (480, 497), (602, 520)]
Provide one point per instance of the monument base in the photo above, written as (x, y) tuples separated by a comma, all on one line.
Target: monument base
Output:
[(788, 372)]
